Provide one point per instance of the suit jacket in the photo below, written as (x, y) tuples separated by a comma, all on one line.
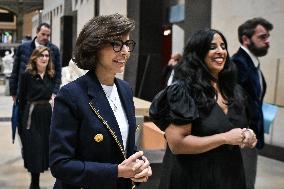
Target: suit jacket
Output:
[(21, 59), (249, 79), (85, 142)]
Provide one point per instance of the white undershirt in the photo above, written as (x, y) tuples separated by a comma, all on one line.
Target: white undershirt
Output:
[(37, 44), (119, 113), (170, 80)]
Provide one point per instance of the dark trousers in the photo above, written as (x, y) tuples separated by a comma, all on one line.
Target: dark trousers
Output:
[(250, 165)]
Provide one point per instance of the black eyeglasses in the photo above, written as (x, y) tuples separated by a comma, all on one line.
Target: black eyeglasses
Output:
[(41, 56), (118, 44)]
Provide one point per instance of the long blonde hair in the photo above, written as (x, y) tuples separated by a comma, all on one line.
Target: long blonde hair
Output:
[(31, 66)]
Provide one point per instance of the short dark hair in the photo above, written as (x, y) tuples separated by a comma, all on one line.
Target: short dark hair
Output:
[(95, 34), (249, 26), (42, 24)]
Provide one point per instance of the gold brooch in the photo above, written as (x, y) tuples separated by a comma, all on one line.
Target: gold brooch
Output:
[(99, 137)]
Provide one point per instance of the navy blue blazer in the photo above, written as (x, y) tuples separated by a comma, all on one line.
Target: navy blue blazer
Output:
[(85, 141), (250, 81)]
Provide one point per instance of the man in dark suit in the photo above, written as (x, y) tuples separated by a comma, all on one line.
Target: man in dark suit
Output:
[(254, 38), (168, 72)]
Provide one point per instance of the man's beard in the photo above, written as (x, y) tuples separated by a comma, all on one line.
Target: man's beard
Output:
[(257, 51)]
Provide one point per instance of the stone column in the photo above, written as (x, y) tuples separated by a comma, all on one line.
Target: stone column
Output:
[(19, 22), (143, 70), (197, 16)]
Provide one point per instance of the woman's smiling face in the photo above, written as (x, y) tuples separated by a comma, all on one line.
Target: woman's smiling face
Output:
[(216, 56), (113, 62), (43, 59)]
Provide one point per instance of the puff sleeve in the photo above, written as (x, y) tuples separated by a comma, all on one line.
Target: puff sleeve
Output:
[(174, 105)]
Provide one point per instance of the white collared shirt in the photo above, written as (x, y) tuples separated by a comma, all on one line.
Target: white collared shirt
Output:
[(117, 108), (170, 80), (37, 44)]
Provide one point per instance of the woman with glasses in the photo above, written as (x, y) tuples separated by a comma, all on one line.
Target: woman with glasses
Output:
[(93, 124), (35, 92)]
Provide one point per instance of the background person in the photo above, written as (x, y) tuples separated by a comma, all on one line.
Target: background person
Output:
[(23, 55), (35, 91), (93, 124), (204, 119), (169, 70), (254, 38)]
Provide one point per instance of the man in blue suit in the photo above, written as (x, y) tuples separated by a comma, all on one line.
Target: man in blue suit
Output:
[(254, 38)]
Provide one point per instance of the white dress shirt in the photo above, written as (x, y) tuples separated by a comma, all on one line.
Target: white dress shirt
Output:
[(117, 108)]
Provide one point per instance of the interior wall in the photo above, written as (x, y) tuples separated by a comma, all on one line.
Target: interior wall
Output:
[(227, 15)]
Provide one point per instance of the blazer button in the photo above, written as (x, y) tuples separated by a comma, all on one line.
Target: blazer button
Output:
[(99, 137)]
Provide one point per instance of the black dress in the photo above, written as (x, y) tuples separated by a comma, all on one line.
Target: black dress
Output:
[(35, 91), (220, 168)]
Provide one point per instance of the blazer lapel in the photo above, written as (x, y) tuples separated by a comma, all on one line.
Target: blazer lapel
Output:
[(100, 106), (127, 103), (254, 75)]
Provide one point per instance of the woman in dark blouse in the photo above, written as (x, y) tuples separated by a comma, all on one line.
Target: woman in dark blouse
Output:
[(204, 119), (35, 99)]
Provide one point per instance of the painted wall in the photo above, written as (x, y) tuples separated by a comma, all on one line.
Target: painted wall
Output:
[(177, 39), (27, 26), (35, 22), (113, 6), (227, 15), (52, 12), (55, 37), (85, 11)]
